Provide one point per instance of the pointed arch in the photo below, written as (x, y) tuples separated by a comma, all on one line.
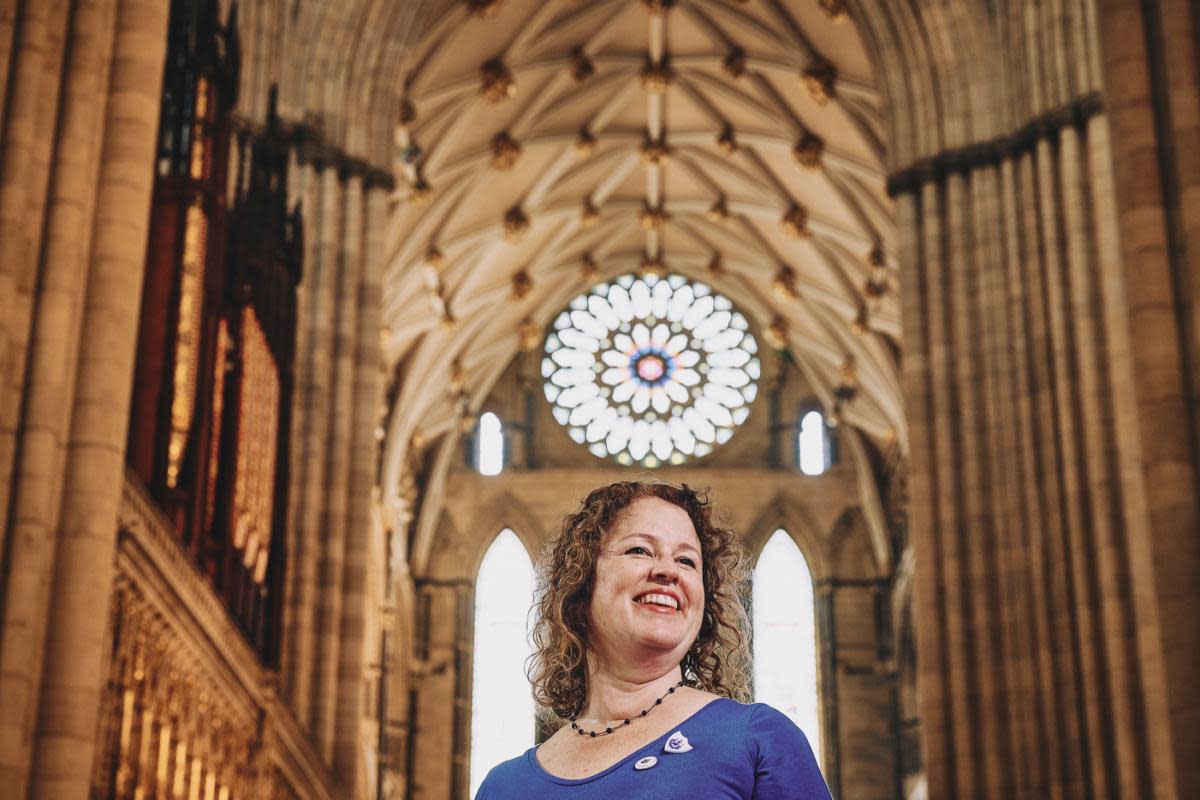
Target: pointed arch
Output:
[(796, 521), (502, 706), (785, 634)]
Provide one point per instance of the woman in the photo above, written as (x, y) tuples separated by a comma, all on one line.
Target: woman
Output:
[(640, 644)]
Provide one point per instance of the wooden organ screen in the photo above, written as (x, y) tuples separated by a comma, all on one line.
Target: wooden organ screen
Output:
[(212, 385)]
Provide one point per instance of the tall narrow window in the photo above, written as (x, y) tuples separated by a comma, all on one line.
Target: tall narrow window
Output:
[(813, 445), (489, 445), (785, 637), (502, 708)]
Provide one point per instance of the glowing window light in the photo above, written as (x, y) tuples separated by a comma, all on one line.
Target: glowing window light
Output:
[(814, 455), (785, 635), (489, 445), (502, 707), (651, 371)]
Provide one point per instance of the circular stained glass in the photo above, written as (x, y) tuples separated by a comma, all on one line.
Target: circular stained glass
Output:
[(651, 370)]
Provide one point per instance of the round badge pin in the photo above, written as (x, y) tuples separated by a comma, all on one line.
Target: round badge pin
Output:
[(645, 763)]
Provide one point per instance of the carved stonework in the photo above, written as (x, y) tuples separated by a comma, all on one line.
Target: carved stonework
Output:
[(585, 143), (589, 215), (776, 333), (834, 9), (734, 62), (516, 223), (795, 222), (820, 78), (718, 212), (657, 76), (522, 285), (784, 283), (808, 150), (652, 219), (655, 151), (506, 151), (582, 67), (587, 267), (727, 141), (653, 265), (496, 82)]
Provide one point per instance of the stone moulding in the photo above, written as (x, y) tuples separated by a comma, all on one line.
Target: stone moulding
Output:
[(150, 560), (993, 151)]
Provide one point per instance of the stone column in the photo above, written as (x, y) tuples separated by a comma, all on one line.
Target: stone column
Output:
[(1154, 106), (313, 406), (346, 247), (37, 479), (363, 450), (1040, 644), (82, 580)]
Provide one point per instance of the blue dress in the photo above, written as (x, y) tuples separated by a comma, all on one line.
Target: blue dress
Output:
[(724, 750)]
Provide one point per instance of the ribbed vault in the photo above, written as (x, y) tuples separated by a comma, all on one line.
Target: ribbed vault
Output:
[(543, 146)]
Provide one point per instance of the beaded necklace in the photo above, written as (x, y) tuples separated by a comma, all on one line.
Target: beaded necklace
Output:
[(610, 729)]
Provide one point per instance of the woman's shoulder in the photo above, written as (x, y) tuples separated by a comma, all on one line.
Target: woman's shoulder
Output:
[(512, 778)]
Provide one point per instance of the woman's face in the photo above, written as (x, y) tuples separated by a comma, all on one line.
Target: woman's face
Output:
[(648, 593)]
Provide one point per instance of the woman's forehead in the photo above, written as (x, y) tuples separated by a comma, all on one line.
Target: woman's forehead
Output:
[(655, 517)]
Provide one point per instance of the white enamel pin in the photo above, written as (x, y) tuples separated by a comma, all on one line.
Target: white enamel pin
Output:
[(645, 763), (677, 743)]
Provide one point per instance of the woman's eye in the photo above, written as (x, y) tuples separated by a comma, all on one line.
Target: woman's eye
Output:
[(641, 551), (688, 562)]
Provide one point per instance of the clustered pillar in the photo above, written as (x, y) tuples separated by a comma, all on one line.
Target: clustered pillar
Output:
[(337, 394), (1030, 527), (82, 99)]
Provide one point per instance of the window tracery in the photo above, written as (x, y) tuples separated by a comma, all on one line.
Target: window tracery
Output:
[(650, 370)]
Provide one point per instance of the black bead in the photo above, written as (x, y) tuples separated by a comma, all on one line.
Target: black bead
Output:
[(644, 712), (626, 722), (658, 702), (671, 690), (608, 730), (593, 733)]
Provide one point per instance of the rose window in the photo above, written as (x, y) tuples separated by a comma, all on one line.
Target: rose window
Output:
[(651, 370)]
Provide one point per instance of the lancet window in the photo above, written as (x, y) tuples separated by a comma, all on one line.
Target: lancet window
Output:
[(502, 708), (785, 639)]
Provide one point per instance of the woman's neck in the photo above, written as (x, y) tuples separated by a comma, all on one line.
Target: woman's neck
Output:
[(620, 695)]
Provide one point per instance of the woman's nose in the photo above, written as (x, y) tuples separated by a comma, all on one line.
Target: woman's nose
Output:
[(666, 571)]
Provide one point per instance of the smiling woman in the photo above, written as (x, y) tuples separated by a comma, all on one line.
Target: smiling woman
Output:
[(640, 645)]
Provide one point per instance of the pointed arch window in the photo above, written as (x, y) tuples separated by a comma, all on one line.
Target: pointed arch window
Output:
[(502, 707), (489, 444), (785, 635), (814, 445)]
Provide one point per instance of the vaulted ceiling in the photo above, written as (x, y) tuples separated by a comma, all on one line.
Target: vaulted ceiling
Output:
[(544, 146)]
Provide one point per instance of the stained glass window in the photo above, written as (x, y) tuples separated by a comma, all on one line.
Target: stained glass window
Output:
[(649, 370), (502, 707), (785, 637)]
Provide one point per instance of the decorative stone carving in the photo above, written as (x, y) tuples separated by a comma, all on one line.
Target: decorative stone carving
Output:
[(585, 143), (820, 78), (784, 283), (795, 222), (653, 265), (718, 212), (652, 219), (587, 267), (808, 150), (734, 62), (522, 285), (655, 151), (582, 67), (506, 151), (484, 8), (776, 333), (496, 82), (589, 215), (529, 334), (516, 223), (716, 265), (656, 77), (727, 141), (834, 9)]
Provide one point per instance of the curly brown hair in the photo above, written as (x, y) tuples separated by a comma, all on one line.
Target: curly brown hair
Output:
[(717, 660)]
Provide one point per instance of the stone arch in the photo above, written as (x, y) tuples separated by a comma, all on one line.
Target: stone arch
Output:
[(795, 518), (503, 510)]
